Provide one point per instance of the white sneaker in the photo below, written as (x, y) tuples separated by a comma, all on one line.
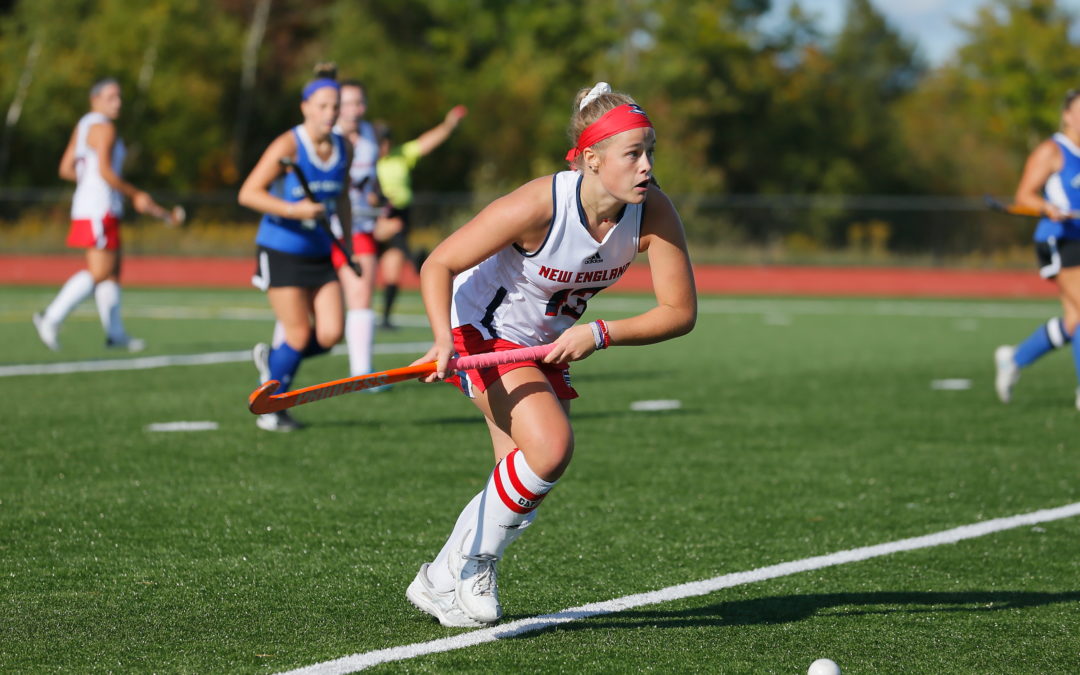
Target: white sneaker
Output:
[(260, 354), (46, 331), (277, 421), (477, 585), (128, 343), (442, 606), (1078, 398), (1008, 373)]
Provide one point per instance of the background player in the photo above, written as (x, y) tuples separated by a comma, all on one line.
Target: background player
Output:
[(520, 274), (363, 198), (1051, 184), (94, 159), (294, 266)]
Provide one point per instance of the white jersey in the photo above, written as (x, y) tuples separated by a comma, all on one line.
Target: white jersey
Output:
[(94, 198), (531, 297), (362, 177)]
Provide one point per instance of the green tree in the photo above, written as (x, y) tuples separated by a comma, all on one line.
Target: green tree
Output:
[(167, 55), (970, 126)]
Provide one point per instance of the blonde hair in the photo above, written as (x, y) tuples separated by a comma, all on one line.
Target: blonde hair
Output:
[(592, 111)]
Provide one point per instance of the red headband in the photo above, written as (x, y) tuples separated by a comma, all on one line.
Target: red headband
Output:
[(615, 121)]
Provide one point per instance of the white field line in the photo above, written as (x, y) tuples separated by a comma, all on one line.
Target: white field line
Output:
[(184, 313), (351, 664), (148, 362), (770, 307), (844, 307), (721, 306)]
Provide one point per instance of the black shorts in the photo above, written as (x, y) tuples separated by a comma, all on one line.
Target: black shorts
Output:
[(400, 240), (275, 268), (1055, 254)]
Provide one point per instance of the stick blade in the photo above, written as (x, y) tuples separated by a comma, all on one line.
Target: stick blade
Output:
[(260, 403), (177, 216)]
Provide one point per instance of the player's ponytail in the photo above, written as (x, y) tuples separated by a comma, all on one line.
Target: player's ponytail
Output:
[(325, 70)]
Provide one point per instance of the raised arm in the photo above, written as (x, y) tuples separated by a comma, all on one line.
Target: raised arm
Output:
[(434, 137), (1044, 161)]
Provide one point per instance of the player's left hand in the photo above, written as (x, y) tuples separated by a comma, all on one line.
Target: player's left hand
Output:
[(573, 345)]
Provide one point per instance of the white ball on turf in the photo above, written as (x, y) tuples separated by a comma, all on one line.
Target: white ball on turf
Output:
[(823, 667)]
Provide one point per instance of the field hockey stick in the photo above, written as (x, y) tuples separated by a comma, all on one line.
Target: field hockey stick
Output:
[(263, 400), (321, 220), (1018, 210), (174, 217)]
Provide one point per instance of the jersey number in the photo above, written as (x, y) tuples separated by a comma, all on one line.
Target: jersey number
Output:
[(571, 301)]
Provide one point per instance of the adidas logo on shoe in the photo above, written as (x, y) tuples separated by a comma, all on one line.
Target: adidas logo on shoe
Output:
[(594, 258)]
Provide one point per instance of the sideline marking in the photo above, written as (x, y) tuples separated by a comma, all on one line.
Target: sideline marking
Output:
[(351, 664), (147, 362), (656, 404), (203, 425), (951, 384)]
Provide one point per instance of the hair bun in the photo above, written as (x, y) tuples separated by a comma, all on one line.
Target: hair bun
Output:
[(326, 70)]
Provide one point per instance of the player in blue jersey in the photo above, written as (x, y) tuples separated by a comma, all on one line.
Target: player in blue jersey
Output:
[(294, 266), (1051, 184)]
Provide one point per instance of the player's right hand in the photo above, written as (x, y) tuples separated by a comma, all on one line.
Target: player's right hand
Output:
[(440, 353), (1054, 213), (144, 203), (306, 209)]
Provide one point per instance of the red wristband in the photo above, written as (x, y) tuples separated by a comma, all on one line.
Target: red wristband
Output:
[(604, 332)]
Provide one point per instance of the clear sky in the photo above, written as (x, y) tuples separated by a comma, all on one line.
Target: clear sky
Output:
[(928, 22)]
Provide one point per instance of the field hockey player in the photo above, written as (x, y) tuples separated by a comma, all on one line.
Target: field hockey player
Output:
[(94, 159), (1050, 186), (520, 273), (293, 259)]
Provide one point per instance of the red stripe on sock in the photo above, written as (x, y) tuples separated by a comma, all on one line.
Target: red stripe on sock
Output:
[(516, 482), (510, 503)]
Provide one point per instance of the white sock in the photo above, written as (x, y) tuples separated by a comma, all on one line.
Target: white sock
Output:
[(360, 338), (279, 335), (494, 518), (107, 296), (74, 291)]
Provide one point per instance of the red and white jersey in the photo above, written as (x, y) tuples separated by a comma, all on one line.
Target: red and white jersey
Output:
[(94, 198), (531, 297), (362, 180)]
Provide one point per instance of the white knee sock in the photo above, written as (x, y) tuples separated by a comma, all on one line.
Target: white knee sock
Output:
[(107, 296), (360, 338), (75, 290), (494, 518), (279, 335)]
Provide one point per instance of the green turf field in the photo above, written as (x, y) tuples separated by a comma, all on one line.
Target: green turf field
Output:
[(807, 426)]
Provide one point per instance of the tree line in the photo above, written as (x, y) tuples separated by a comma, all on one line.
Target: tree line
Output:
[(741, 105)]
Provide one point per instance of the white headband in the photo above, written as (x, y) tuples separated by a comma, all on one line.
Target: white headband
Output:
[(594, 93)]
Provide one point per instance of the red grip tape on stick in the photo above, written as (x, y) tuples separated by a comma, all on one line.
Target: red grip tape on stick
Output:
[(263, 400)]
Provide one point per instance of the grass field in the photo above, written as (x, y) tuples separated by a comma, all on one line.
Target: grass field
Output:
[(807, 426)]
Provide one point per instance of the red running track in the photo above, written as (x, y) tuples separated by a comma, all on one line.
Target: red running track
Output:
[(718, 279)]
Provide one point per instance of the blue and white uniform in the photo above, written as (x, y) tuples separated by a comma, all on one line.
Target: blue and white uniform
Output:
[(532, 297), (1063, 191), (326, 180)]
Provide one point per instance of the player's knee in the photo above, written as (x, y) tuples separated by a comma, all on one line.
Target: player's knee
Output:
[(550, 456)]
